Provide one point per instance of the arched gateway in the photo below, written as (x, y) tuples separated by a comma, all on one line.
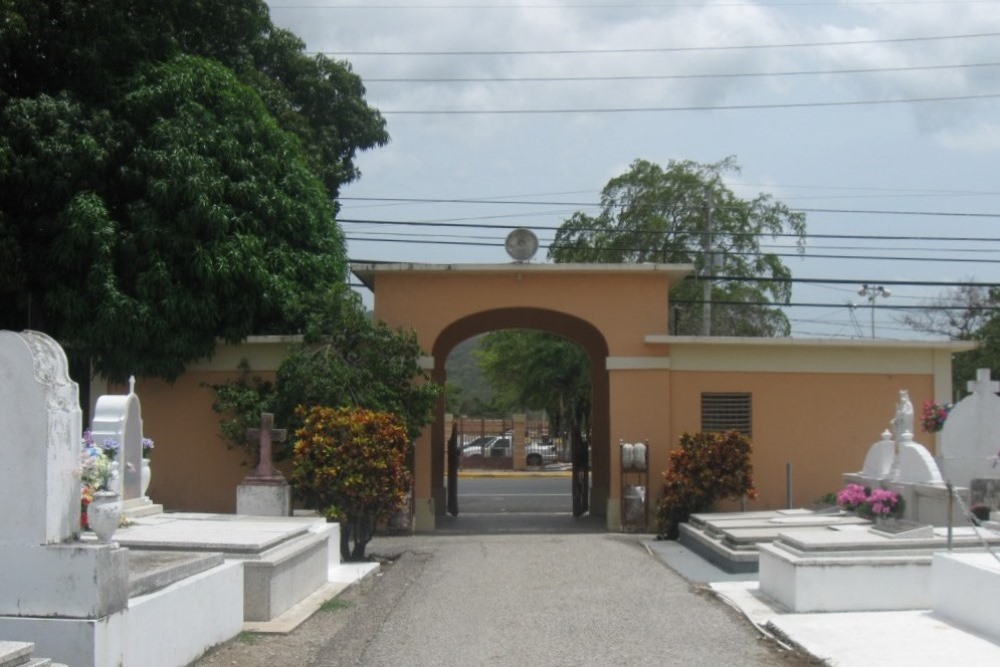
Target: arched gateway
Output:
[(608, 310)]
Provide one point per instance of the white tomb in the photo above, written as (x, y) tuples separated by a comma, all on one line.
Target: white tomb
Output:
[(119, 417), (82, 602), (969, 443), (847, 568)]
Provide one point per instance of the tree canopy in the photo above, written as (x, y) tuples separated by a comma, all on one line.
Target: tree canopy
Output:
[(966, 312), (539, 371), (656, 214), (346, 360), (167, 176)]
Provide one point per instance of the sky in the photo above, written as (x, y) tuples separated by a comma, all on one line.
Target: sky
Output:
[(879, 119)]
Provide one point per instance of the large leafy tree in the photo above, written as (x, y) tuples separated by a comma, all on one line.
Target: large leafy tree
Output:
[(671, 215), (167, 176)]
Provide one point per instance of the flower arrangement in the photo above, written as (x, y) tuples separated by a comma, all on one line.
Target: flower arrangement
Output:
[(870, 503), (96, 470), (851, 497), (933, 415), (109, 447)]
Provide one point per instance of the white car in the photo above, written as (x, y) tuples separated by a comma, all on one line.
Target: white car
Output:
[(540, 454)]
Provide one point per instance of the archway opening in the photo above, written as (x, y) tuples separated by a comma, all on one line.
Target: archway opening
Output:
[(573, 475)]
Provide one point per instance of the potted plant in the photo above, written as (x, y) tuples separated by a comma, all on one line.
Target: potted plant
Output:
[(101, 508), (981, 511), (875, 504)]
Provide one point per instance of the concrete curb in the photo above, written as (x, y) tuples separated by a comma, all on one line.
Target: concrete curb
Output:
[(340, 579), (513, 474)]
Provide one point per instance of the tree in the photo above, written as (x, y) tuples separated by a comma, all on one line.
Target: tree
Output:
[(652, 214), (349, 360), (351, 465), (167, 175), (965, 312), (539, 371), (345, 360)]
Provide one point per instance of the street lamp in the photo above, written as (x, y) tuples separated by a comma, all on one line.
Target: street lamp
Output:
[(872, 292)]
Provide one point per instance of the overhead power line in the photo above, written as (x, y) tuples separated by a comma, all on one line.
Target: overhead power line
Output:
[(803, 304), (665, 49), (805, 255), (699, 107), (665, 77), (625, 5)]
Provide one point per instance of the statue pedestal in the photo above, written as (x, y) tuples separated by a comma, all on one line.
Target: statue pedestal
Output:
[(264, 496)]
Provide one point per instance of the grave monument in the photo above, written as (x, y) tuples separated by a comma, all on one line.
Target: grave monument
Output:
[(265, 492), (83, 602), (119, 417), (969, 443), (851, 568)]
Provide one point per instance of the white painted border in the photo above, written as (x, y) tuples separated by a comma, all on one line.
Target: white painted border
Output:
[(637, 363)]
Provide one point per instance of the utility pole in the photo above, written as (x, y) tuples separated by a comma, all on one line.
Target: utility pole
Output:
[(707, 266)]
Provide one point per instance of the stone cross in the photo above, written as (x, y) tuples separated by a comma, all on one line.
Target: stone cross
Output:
[(982, 383), (266, 435)]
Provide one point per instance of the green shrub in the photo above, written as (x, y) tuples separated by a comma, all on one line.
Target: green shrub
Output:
[(706, 468), (350, 465)]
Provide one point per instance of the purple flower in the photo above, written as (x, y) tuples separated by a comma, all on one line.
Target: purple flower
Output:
[(110, 447)]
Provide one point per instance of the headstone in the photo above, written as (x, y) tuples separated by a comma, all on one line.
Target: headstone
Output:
[(264, 492), (969, 442), (40, 418), (119, 417), (47, 572)]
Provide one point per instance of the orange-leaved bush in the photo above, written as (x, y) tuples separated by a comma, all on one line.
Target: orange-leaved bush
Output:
[(350, 464), (706, 468)]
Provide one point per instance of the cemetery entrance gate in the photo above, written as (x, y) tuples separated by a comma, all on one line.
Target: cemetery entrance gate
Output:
[(606, 309)]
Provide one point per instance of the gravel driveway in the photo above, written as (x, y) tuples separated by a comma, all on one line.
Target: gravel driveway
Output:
[(515, 599)]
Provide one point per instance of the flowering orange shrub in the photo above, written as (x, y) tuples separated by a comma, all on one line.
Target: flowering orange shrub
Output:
[(350, 464), (706, 468)]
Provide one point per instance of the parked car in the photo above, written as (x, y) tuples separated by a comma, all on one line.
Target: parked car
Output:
[(498, 446), (540, 454), (477, 446)]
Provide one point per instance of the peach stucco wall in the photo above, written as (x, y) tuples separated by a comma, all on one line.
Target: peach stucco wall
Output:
[(821, 424), (817, 405), (193, 470), (624, 306)]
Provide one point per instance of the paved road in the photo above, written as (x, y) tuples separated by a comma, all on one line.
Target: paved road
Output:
[(494, 495), (537, 599)]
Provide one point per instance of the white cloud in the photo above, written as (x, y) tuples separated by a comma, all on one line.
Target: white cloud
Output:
[(981, 138)]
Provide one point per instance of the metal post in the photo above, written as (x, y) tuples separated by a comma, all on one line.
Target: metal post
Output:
[(707, 268), (788, 485), (951, 501)]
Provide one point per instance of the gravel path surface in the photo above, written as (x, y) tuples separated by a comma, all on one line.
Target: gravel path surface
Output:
[(560, 599)]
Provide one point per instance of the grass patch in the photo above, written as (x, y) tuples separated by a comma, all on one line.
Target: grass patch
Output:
[(249, 638), (335, 604)]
